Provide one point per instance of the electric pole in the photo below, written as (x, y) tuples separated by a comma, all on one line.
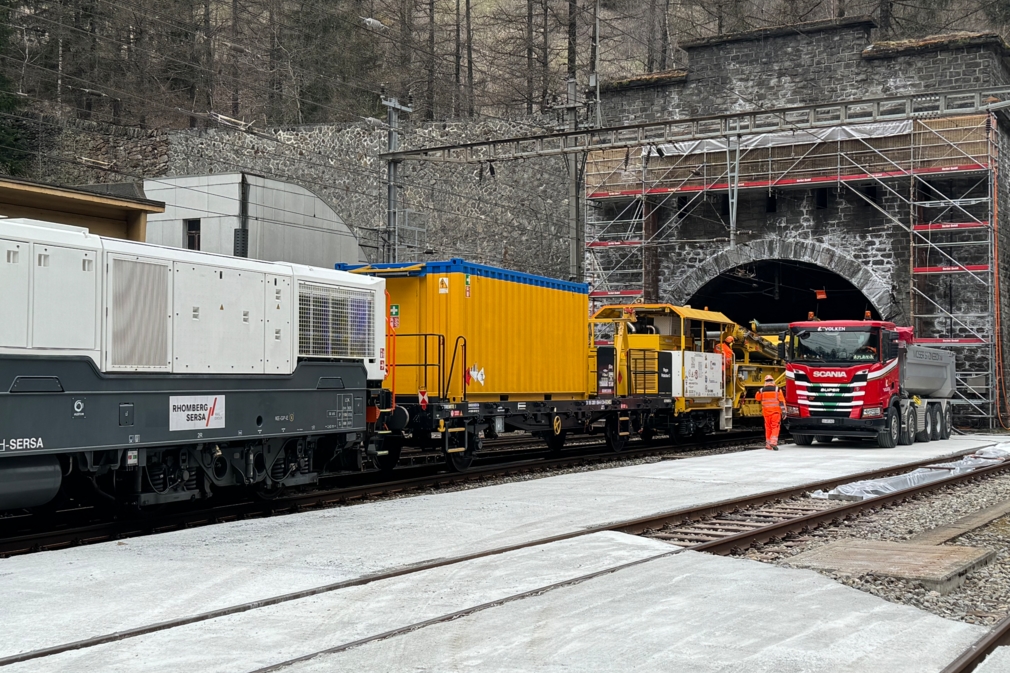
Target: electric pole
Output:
[(390, 244)]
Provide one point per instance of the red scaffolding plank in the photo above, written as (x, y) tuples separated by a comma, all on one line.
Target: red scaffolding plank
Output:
[(944, 226), (612, 244), (616, 293), (950, 269)]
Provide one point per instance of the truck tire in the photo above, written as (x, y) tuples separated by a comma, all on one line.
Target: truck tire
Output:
[(946, 421), (888, 437), (926, 434), (823, 439), (907, 434), (935, 417), (803, 440)]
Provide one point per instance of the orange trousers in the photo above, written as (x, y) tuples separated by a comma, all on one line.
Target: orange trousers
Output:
[(772, 424)]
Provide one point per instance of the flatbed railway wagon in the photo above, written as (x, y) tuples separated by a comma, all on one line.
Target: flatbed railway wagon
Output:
[(154, 375), (481, 351)]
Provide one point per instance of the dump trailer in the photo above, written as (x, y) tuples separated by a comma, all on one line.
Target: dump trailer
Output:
[(865, 379)]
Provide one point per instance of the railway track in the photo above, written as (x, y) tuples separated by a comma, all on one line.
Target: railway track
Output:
[(22, 535), (773, 515)]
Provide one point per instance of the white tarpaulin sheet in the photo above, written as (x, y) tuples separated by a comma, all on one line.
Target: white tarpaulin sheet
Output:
[(828, 134), (871, 488)]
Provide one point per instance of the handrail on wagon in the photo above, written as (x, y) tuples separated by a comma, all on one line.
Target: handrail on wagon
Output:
[(426, 363), (452, 365)]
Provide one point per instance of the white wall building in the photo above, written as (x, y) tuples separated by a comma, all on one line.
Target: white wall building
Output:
[(284, 222)]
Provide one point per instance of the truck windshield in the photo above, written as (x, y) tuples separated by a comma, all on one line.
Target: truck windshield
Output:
[(836, 345)]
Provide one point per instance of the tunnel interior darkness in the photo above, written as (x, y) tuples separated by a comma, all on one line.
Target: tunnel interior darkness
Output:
[(775, 291)]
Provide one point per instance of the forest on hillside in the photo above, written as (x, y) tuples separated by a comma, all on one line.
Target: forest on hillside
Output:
[(179, 63)]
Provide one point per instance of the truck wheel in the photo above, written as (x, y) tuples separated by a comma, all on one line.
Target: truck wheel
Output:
[(888, 437), (934, 421), (823, 439), (803, 440), (926, 433), (907, 435), (946, 421)]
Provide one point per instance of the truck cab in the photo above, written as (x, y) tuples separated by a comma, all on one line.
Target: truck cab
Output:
[(853, 379)]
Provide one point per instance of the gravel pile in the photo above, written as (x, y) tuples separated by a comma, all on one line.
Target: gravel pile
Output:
[(983, 599)]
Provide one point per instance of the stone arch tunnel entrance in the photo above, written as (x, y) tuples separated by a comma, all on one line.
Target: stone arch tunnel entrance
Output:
[(782, 290)]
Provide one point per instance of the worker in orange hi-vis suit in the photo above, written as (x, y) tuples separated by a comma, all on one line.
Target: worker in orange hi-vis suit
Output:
[(773, 404), (726, 350)]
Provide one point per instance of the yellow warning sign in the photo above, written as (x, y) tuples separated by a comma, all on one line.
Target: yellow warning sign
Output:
[(443, 285)]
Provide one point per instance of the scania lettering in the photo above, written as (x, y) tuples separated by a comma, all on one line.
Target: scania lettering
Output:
[(865, 379)]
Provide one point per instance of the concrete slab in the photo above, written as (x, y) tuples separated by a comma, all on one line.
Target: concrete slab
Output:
[(99, 589), (938, 568), (997, 662), (966, 524), (278, 633), (687, 612)]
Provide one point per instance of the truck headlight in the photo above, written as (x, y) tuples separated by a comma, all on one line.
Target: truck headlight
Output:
[(873, 412), (792, 411)]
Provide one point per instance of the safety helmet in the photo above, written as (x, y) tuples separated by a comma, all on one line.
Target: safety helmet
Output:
[(729, 339), (769, 379)]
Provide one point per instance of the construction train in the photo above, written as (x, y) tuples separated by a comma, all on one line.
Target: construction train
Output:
[(150, 375)]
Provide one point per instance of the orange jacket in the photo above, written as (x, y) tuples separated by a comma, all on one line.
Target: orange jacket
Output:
[(772, 400), (727, 353)]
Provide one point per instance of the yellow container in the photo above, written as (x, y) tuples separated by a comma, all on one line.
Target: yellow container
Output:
[(526, 337)]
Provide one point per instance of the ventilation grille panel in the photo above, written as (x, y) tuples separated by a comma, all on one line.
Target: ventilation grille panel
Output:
[(139, 315), (335, 322)]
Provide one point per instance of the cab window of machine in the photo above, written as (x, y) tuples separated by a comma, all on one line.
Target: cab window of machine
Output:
[(837, 345)]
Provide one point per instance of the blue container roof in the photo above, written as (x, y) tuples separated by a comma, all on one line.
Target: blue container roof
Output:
[(457, 265)]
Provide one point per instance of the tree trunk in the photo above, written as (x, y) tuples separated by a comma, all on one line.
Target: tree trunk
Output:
[(456, 104), (884, 20), (406, 46), (529, 57), (664, 55), (208, 57), (469, 61), (545, 72), (234, 57), (650, 42), (430, 112), (573, 9)]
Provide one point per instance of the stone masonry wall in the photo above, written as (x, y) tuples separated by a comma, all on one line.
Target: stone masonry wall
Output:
[(509, 214)]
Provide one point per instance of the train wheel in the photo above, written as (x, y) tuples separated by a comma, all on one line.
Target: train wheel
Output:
[(393, 448), (556, 442), (460, 461), (648, 434), (615, 440)]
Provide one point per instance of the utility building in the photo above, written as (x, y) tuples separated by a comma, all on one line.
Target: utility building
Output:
[(249, 216)]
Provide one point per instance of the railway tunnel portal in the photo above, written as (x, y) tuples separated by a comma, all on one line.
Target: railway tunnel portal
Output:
[(864, 181)]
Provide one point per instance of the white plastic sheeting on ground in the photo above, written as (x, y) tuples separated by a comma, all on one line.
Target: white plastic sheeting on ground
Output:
[(871, 488)]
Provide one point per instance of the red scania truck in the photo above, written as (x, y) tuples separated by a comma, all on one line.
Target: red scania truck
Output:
[(865, 379)]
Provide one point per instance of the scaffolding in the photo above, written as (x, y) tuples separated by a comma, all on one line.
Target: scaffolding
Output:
[(933, 177)]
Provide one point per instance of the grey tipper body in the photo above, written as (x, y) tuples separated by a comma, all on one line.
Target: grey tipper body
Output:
[(65, 404)]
